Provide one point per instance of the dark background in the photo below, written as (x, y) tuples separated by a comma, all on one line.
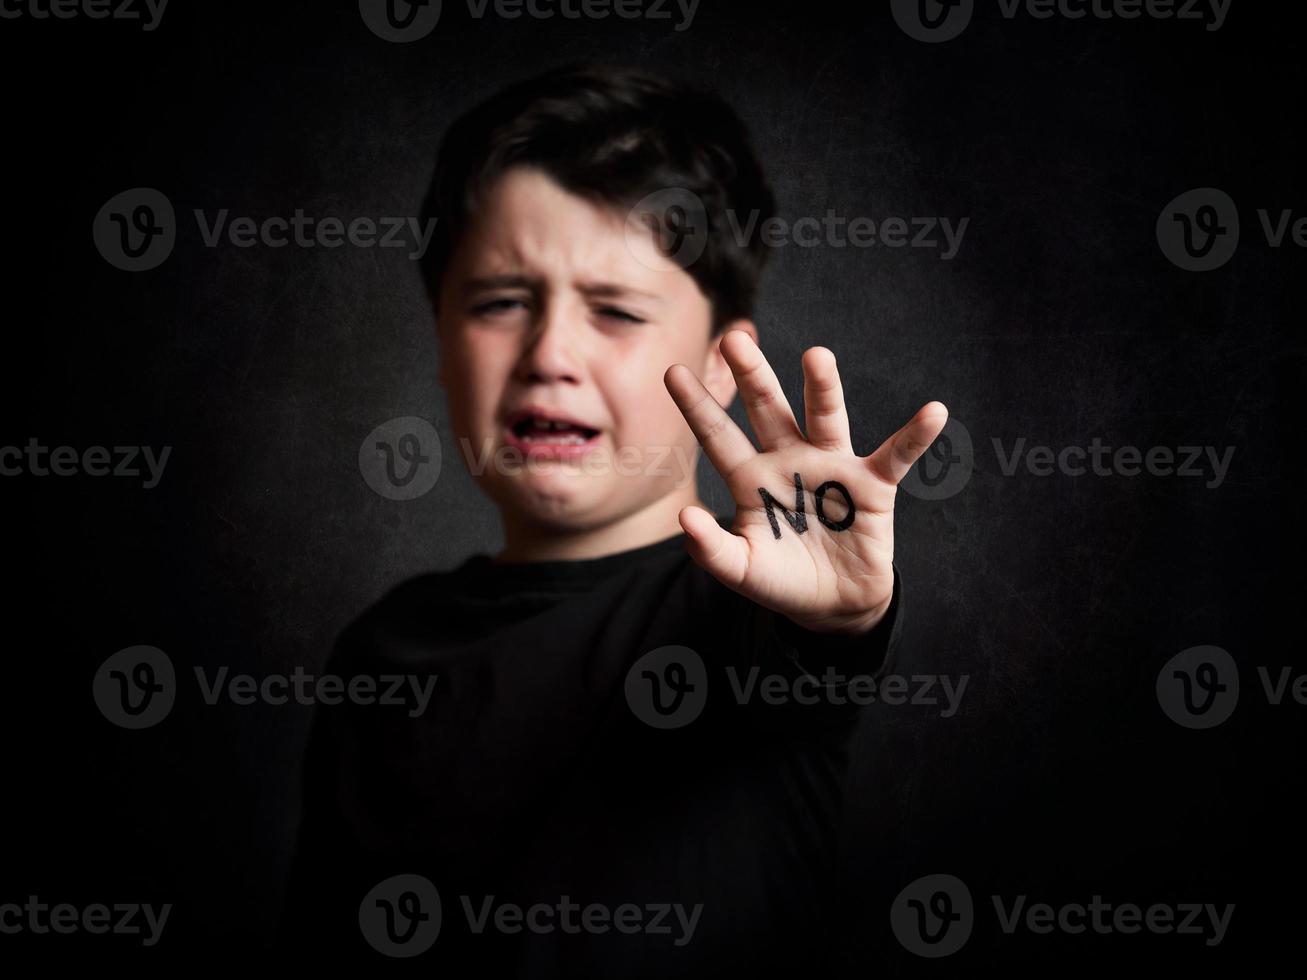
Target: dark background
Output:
[(1058, 321)]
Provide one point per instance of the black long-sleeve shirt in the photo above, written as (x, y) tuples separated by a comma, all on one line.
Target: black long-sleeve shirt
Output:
[(532, 776)]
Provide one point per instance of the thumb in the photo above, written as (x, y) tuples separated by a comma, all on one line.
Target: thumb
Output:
[(722, 554)]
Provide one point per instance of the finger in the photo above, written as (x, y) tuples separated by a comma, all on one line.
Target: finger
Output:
[(900, 452), (823, 401), (723, 442), (764, 399), (722, 554)]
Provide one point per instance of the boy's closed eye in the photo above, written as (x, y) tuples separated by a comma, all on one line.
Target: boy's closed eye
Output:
[(499, 306), (495, 306), (620, 314)]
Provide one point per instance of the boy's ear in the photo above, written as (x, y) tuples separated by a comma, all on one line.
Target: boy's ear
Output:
[(716, 374)]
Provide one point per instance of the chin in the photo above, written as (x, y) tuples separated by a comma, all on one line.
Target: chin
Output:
[(554, 496)]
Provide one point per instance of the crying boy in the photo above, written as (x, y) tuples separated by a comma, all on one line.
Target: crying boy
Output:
[(597, 787)]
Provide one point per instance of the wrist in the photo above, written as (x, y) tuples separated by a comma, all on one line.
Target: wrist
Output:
[(853, 625)]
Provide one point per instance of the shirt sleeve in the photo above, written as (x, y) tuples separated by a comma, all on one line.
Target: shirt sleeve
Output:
[(778, 681), (827, 676), (871, 653)]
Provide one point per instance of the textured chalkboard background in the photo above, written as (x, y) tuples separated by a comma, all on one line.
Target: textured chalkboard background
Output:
[(1058, 321)]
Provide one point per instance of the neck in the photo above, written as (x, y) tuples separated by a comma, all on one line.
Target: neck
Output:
[(525, 541)]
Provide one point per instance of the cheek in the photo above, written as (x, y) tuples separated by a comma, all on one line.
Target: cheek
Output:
[(642, 410), (641, 406), (477, 368)]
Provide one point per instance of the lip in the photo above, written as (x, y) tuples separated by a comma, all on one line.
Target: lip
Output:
[(541, 450), (545, 412)]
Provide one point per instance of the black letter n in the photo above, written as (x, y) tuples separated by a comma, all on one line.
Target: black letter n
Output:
[(798, 520)]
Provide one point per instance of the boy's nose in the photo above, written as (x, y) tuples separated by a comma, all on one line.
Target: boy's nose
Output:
[(552, 352)]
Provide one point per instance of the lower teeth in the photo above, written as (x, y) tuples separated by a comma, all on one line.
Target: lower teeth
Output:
[(567, 440)]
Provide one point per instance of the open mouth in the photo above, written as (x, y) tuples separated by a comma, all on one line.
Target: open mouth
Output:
[(544, 434), (541, 431)]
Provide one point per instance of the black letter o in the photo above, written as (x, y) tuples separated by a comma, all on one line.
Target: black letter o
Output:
[(820, 493)]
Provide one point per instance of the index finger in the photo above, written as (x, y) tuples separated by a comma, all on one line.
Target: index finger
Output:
[(723, 441)]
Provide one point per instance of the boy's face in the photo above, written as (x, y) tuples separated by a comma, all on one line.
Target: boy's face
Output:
[(554, 304)]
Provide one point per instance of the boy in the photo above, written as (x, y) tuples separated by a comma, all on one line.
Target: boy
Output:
[(598, 786)]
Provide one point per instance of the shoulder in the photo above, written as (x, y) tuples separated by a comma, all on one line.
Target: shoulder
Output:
[(397, 626)]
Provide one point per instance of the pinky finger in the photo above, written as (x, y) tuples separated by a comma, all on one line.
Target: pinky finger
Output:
[(900, 452)]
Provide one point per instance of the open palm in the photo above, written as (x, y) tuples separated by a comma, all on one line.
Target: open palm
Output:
[(816, 547)]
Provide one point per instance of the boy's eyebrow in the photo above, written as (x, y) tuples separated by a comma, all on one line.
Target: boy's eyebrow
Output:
[(598, 290), (479, 283), (609, 290)]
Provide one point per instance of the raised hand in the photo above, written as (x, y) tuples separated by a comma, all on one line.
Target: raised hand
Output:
[(813, 536)]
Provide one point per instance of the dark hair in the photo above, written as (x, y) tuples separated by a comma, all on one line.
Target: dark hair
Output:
[(614, 135)]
